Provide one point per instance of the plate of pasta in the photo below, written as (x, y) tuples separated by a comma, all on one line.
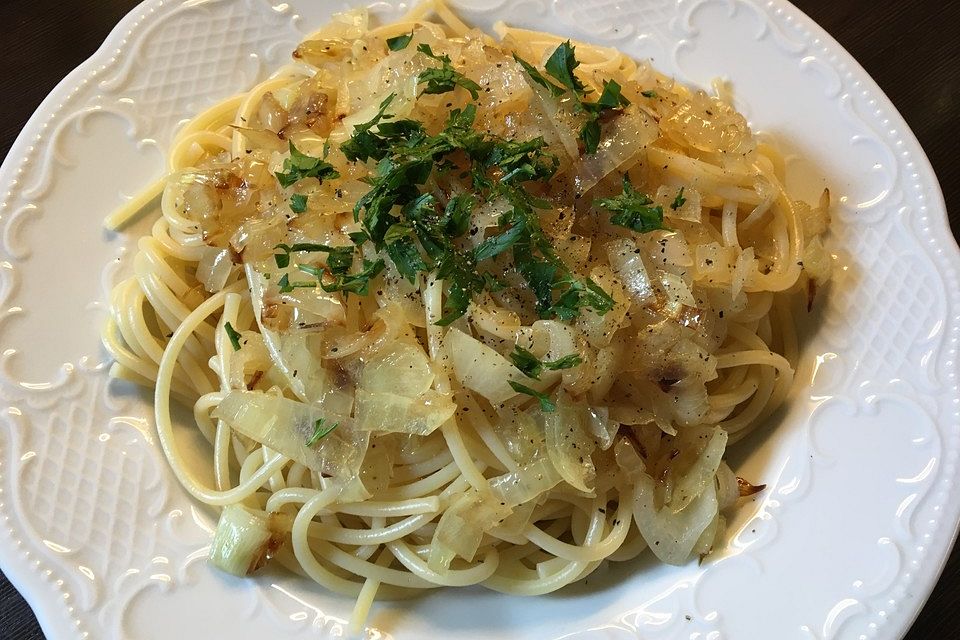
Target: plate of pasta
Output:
[(478, 320)]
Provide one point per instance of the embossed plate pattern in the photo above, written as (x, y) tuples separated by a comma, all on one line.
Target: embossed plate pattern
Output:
[(861, 507)]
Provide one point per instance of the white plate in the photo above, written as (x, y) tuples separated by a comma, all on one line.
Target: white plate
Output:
[(861, 511)]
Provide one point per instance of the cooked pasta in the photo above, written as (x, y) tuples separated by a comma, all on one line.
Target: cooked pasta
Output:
[(456, 310)]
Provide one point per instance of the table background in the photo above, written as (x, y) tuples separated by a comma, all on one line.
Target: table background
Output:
[(910, 47)]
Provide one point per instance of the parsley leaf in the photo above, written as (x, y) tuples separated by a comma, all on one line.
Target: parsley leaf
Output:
[(399, 43), (678, 201), (523, 160), (402, 249), (364, 144), (320, 431), (611, 98), (561, 65), (444, 78), (532, 366), (299, 166), (590, 134), (456, 216), (546, 404), (316, 272), (359, 282), (528, 363), (631, 209), (538, 77), (579, 294), (233, 335), (286, 286), (358, 237), (649, 93), (495, 245), (339, 259), (298, 203)]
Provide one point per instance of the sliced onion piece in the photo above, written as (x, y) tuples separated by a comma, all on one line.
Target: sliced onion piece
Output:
[(526, 484), (395, 413), (214, 268), (294, 356), (402, 369), (691, 209), (600, 426), (569, 445), (672, 536), (626, 137), (629, 269), (701, 474), (244, 540), (286, 426), (461, 528), (482, 369)]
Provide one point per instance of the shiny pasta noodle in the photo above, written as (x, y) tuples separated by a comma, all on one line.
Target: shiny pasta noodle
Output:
[(365, 435)]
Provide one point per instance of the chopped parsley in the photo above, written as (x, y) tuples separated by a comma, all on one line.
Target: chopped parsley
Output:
[(233, 335), (539, 78), (400, 216), (399, 43), (546, 404), (299, 166), (364, 144), (298, 203), (444, 78), (649, 93), (631, 209), (339, 259), (320, 431), (402, 249), (359, 282), (532, 367), (456, 216), (286, 286), (561, 66), (678, 201)]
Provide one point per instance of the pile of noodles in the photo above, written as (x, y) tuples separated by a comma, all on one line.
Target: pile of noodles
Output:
[(440, 473)]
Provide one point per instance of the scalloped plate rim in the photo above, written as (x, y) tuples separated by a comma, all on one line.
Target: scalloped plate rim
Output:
[(49, 610)]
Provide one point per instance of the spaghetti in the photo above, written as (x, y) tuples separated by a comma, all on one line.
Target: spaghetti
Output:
[(453, 310)]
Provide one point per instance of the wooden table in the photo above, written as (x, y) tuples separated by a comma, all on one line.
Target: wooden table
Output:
[(910, 47)]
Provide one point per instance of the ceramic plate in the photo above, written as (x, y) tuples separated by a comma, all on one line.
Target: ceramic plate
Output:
[(861, 506)]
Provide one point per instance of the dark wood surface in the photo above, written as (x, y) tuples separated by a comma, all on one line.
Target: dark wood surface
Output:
[(910, 47)]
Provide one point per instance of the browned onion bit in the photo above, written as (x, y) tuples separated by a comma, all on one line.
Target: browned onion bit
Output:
[(747, 489)]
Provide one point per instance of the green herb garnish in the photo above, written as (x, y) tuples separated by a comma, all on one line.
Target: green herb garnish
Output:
[(539, 78), (649, 93), (399, 43), (532, 366), (299, 166), (400, 217), (359, 282), (678, 201), (233, 335), (286, 286), (320, 431), (632, 210), (444, 78), (339, 259), (561, 66), (298, 203), (546, 404), (401, 244)]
